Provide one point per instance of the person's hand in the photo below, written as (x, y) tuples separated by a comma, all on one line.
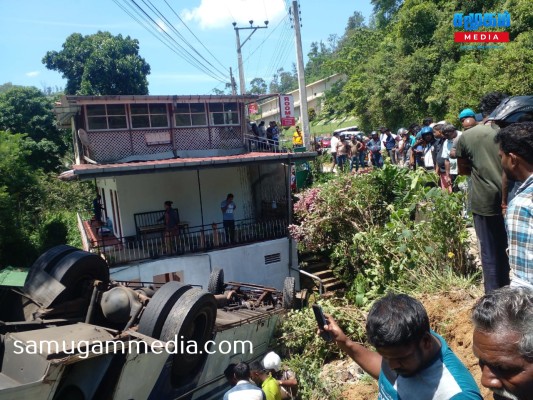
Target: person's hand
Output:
[(336, 332)]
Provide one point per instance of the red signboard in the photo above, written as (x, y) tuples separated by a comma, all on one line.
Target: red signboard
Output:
[(289, 121), (286, 107), (253, 108), (481, 37)]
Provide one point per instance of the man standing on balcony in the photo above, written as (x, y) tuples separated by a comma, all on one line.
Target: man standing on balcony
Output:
[(171, 225), (228, 209), (97, 209)]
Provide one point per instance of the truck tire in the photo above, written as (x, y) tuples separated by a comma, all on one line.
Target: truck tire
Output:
[(70, 275), (156, 312), (192, 318), (289, 292), (216, 282), (48, 260), (76, 268)]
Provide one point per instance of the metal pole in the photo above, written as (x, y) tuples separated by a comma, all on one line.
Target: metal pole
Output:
[(242, 84), (233, 85), (304, 116)]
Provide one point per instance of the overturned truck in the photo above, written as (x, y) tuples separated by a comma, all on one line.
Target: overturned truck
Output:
[(72, 333)]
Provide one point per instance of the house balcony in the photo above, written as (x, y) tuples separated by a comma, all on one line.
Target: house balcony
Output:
[(155, 243)]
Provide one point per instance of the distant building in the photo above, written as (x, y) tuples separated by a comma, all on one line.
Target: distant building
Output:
[(315, 94)]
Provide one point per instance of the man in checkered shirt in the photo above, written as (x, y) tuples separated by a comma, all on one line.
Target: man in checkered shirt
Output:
[(516, 152)]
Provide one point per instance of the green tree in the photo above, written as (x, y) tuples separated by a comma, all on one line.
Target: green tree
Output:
[(284, 81), (100, 64), (18, 194), (258, 86), (27, 110)]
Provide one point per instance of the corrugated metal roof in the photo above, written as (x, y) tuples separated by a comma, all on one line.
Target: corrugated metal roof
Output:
[(90, 171), (12, 277)]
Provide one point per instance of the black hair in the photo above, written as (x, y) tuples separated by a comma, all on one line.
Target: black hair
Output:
[(229, 195), (490, 101), (427, 121), (518, 139), (257, 366), (395, 320), (229, 372), (241, 371)]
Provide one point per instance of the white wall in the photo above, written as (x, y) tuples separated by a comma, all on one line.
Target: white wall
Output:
[(240, 264), (148, 192)]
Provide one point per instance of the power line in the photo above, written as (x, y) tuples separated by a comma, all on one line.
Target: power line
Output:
[(154, 9), (192, 33), (164, 37)]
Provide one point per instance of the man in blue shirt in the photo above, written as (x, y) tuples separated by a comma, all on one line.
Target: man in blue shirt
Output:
[(243, 389), (228, 217), (410, 361)]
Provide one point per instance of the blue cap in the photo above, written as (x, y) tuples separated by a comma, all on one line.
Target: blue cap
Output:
[(467, 112), (425, 130)]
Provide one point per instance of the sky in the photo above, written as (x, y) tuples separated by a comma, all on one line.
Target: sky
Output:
[(30, 28)]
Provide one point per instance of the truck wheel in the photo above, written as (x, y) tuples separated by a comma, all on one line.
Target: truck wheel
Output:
[(191, 319), (47, 261), (216, 282), (73, 270), (156, 312), (289, 292)]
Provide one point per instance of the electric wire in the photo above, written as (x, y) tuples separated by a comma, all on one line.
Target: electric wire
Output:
[(154, 9), (164, 37)]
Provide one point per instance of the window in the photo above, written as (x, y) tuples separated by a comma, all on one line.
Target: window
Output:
[(149, 116), (224, 114), (106, 116), (190, 114)]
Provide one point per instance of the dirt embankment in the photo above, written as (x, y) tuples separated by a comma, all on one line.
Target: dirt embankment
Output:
[(450, 317)]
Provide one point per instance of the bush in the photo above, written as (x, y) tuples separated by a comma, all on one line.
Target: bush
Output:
[(309, 351)]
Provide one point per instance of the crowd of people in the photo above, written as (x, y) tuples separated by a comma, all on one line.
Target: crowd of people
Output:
[(261, 380), (410, 361)]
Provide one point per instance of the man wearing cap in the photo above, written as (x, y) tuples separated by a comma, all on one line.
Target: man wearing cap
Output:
[(286, 378), (477, 156), (467, 118)]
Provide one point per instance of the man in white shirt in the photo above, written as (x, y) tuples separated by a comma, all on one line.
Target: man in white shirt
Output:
[(243, 390), (333, 147), (452, 135)]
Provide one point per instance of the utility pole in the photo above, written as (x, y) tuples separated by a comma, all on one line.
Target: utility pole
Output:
[(233, 84), (242, 83), (304, 116)]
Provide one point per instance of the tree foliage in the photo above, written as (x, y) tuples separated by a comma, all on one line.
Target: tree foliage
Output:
[(100, 64), (258, 86), (405, 65), (27, 110)]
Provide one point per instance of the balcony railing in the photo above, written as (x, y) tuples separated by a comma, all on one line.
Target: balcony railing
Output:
[(189, 240), (265, 145)]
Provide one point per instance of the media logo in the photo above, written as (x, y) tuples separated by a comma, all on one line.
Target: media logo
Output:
[(472, 22)]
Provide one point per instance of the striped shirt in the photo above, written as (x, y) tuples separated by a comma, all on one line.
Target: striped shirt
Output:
[(519, 223)]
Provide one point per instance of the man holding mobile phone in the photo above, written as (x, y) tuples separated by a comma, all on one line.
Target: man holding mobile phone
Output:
[(410, 361)]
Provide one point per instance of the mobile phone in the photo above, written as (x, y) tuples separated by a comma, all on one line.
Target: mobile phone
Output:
[(321, 321)]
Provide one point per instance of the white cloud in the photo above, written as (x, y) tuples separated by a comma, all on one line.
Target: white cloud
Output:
[(162, 26), (211, 14), (33, 74)]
